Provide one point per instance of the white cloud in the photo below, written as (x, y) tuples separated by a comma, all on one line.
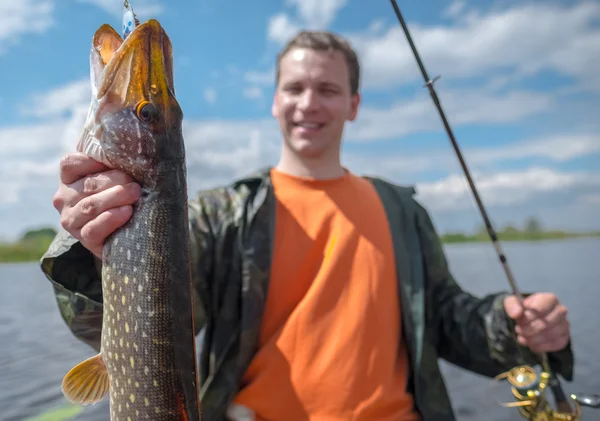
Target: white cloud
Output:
[(309, 14), (30, 166), (210, 95), (414, 164), (281, 28), (462, 107), (18, 18), (504, 188), (455, 8), (228, 148), (559, 148), (22, 141), (260, 78), (253, 92), (524, 40), (591, 199), (58, 101), (33, 151), (317, 13), (219, 151), (34, 175)]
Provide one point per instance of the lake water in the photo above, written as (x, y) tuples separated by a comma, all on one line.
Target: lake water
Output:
[(36, 349)]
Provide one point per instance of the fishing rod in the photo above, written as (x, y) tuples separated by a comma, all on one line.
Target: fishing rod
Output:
[(552, 381)]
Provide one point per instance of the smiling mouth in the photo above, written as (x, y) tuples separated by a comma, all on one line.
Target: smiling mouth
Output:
[(309, 126)]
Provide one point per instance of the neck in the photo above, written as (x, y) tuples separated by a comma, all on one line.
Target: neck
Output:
[(321, 168)]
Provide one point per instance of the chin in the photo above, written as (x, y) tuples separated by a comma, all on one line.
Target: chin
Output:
[(308, 148)]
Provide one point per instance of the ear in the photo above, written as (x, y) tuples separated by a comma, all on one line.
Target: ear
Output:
[(275, 106), (354, 103)]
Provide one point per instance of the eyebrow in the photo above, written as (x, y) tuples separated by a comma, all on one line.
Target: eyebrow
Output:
[(325, 83)]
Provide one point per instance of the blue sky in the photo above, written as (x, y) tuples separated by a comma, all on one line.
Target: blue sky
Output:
[(519, 84)]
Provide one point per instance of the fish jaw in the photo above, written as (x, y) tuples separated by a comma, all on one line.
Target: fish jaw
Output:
[(134, 120)]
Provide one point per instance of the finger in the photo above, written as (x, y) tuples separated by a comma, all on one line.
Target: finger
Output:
[(541, 303), (513, 307), (92, 206), (541, 324), (553, 345), (77, 165), (71, 194), (549, 335), (95, 183), (94, 233)]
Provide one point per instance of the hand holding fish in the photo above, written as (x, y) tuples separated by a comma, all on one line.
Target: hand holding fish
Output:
[(543, 326), (93, 201)]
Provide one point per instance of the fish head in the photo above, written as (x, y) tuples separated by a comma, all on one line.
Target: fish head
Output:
[(134, 121)]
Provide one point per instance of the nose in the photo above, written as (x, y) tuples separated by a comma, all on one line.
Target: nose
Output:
[(308, 100)]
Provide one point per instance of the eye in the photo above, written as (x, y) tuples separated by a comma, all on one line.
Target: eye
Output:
[(146, 112)]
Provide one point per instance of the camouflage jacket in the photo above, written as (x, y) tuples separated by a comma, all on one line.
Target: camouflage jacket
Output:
[(232, 234)]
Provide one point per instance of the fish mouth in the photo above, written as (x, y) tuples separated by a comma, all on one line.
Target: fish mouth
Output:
[(141, 68), (134, 74)]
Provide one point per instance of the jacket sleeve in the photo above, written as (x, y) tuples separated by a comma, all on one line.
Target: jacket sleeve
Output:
[(474, 333), (76, 277)]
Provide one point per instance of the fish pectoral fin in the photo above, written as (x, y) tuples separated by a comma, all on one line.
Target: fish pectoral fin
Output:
[(87, 383)]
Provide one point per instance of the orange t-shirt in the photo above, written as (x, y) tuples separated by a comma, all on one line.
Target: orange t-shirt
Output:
[(330, 343)]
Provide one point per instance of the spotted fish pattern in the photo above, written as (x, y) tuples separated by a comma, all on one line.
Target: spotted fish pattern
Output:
[(147, 358), (148, 316)]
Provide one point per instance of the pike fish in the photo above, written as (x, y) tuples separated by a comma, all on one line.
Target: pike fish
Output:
[(147, 360)]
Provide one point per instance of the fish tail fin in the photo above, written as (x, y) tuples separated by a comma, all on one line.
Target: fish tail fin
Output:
[(87, 383)]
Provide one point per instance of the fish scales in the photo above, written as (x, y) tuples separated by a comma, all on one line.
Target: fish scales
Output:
[(147, 360), (142, 280)]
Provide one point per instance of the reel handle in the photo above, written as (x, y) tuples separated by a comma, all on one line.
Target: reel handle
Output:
[(591, 401)]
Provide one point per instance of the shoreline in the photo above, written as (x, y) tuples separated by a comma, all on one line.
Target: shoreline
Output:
[(29, 251), (454, 238)]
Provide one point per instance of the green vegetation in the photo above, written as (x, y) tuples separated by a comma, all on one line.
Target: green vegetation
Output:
[(62, 413), (531, 231), (30, 247)]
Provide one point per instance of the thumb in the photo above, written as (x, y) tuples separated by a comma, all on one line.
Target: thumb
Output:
[(513, 307)]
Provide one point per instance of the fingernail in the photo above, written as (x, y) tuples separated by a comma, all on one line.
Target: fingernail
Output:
[(134, 187)]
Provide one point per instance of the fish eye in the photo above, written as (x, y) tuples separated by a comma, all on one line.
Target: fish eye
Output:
[(146, 111)]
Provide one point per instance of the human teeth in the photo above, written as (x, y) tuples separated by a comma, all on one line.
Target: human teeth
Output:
[(309, 125)]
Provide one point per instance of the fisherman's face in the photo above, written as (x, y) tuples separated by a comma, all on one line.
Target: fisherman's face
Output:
[(312, 101)]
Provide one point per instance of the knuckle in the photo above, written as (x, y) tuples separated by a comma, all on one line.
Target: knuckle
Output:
[(89, 208), (90, 185), (89, 233), (66, 163), (66, 221), (561, 312), (58, 201)]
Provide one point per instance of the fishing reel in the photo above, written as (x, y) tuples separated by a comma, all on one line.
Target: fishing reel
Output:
[(529, 390)]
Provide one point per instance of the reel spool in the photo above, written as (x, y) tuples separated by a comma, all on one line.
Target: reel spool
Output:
[(529, 390)]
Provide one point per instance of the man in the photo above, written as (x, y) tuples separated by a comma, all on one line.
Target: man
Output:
[(328, 296)]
